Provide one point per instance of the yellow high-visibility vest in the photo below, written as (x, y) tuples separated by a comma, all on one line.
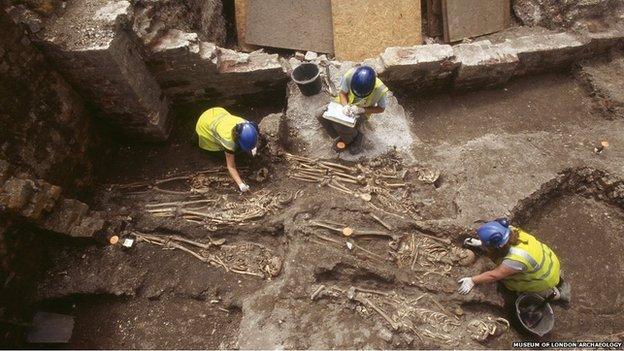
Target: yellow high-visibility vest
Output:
[(542, 265), (215, 128)]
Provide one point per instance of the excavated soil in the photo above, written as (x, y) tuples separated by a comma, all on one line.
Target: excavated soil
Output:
[(126, 162), (549, 103), (170, 323), (587, 236), (273, 269)]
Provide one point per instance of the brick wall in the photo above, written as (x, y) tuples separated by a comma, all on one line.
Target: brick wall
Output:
[(44, 128)]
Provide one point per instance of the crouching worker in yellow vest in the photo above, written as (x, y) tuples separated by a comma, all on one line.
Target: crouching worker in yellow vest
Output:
[(361, 95), (525, 265), (218, 130)]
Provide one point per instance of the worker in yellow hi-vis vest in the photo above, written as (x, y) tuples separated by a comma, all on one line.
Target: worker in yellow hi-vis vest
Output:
[(361, 94), (524, 263), (218, 130)]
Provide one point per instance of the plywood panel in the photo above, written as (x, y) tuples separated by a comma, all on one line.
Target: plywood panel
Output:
[(240, 9), (291, 24), (471, 18), (364, 28)]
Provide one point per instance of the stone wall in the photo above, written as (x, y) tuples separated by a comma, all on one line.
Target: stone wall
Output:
[(94, 49), (130, 73), (585, 181), (556, 14), (44, 128), (30, 209), (43, 8), (603, 83), (154, 18), (38, 202), (484, 64), (192, 71), (45, 139)]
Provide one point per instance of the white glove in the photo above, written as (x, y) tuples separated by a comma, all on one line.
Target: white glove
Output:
[(347, 110), (243, 187), (466, 285), (357, 110), (472, 242), (254, 151)]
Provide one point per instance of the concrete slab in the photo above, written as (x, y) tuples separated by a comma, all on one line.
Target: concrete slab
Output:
[(306, 136), (605, 40), (484, 64), (291, 24), (196, 72), (539, 53), (418, 67)]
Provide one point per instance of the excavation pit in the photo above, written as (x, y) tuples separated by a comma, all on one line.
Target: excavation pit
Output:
[(579, 214), (214, 268), (591, 261), (125, 160)]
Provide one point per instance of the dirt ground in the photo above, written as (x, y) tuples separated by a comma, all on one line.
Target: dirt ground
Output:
[(548, 103), (586, 234), (266, 269)]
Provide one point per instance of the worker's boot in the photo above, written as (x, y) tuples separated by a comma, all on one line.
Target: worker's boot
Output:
[(356, 145), (564, 292)]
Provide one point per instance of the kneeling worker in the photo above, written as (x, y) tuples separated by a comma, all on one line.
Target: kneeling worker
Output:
[(362, 94), (218, 130), (524, 263)]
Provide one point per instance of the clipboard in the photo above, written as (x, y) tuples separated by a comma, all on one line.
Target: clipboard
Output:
[(334, 114)]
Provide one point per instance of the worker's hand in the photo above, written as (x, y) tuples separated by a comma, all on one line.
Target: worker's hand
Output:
[(243, 187), (254, 151), (466, 285), (358, 110), (472, 242), (347, 110)]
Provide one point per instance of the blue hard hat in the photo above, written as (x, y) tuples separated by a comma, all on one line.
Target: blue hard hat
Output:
[(503, 221), (363, 81), (494, 234), (247, 135)]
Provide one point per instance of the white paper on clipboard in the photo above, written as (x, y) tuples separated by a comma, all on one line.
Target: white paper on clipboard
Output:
[(334, 113)]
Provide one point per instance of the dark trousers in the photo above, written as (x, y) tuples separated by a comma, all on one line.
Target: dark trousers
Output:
[(345, 133)]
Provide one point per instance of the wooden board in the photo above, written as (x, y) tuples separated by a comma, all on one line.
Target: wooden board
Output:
[(471, 18), (434, 18), (365, 28), (240, 9), (291, 24)]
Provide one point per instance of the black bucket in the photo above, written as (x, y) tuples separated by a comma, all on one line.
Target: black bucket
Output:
[(308, 79)]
